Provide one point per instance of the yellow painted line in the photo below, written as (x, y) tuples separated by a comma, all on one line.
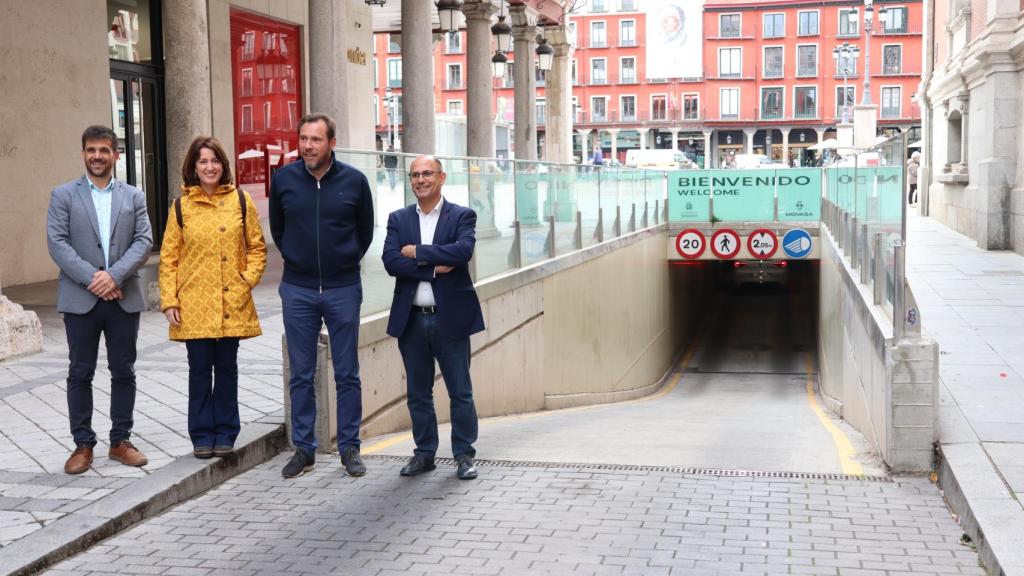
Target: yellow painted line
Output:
[(405, 437), (843, 445)]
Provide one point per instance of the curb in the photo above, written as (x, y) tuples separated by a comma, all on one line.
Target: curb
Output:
[(989, 513), (172, 484)]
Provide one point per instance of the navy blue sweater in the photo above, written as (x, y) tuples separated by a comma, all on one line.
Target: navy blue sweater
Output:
[(321, 228)]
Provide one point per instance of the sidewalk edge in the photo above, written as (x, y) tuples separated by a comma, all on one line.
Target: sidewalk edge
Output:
[(177, 482)]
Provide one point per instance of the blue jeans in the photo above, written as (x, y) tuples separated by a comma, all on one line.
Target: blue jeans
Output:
[(213, 391), (304, 311), (420, 344), (120, 330)]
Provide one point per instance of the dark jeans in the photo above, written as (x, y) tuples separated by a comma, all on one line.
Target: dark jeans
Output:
[(912, 194), (420, 345), (213, 391), (120, 330), (304, 311)]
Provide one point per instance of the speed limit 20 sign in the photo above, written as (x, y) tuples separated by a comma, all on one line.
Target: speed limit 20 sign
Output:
[(690, 244), (762, 244)]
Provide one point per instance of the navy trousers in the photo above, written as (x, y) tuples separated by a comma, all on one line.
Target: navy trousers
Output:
[(213, 392), (305, 310), (120, 330), (420, 344)]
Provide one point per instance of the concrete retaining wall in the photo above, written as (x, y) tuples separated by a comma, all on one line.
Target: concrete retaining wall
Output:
[(598, 325), (885, 389)]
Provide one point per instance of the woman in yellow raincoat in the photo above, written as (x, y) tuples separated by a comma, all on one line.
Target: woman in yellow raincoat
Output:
[(213, 255)]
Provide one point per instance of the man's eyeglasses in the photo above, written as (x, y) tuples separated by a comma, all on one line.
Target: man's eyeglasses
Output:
[(425, 174)]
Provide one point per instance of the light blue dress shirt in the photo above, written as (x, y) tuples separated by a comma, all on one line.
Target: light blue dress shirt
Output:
[(101, 199)]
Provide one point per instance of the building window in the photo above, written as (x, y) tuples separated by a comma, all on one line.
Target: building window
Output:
[(599, 108), (598, 71), (453, 42), (807, 24), (598, 6), (895, 20), (509, 80), (729, 25), (846, 66), (130, 33), (806, 61), (394, 73), (771, 103), (627, 106), (541, 111), (627, 33), (892, 59), (730, 104), (774, 26), (598, 38), (627, 5), (845, 113), (659, 107), (772, 62), (540, 77), (293, 113), (394, 43), (376, 73), (268, 115), (248, 45), (891, 102), (246, 119), (246, 81), (575, 79), (627, 70), (806, 102), (454, 76), (849, 23), (730, 62), (691, 107)]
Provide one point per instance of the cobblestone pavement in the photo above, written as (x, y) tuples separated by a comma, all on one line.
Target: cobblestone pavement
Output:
[(34, 436), (542, 519)]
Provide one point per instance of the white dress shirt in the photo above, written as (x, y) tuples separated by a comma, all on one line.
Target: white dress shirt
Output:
[(428, 224)]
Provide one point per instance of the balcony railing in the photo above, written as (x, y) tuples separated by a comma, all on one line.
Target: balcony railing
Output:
[(640, 117)]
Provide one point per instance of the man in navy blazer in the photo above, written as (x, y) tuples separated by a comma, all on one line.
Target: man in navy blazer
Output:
[(434, 312)]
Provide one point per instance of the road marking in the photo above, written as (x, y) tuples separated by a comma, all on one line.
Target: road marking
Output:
[(843, 445), (666, 389)]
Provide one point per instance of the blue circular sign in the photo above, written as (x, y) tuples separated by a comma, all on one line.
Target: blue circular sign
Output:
[(797, 243)]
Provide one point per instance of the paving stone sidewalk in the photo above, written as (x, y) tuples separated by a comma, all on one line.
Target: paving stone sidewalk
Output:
[(556, 519), (34, 436)]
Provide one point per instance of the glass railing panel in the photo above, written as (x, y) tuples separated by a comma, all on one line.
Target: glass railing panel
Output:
[(689, 195), (588, 197), (608, 194), (491, 192), (532, 193), (562, 204), (743, 195), (799, 194)]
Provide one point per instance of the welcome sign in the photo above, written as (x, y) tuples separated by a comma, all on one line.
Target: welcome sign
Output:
[(744, 195)]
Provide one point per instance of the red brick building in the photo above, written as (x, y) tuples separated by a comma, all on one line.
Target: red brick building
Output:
[(767, 82)]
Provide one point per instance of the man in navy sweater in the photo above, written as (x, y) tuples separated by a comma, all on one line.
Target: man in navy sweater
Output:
[(321, 219)]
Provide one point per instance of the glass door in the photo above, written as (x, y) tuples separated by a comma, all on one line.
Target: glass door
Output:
[(135, 114)]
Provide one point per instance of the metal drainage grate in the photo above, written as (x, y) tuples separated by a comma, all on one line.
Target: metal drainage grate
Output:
[(636, 468)]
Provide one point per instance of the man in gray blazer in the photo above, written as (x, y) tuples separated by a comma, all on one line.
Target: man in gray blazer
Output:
[(98, 233)]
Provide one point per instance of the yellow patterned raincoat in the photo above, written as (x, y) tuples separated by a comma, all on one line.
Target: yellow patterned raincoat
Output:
[(208, 270)]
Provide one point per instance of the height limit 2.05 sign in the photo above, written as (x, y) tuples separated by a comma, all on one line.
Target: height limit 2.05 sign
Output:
[(690, 244), (762, 244)]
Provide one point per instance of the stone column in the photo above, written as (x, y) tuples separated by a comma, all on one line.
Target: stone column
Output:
[(748, 140), (189, 110), (479, 78), (707, 149), (614, 132), (675, 138), (524, 32), (558, 89), (643, 137), (785, 145), (418, 78), (585, 146)]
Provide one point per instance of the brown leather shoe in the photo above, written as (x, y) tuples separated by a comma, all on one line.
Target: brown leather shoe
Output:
[(80, 460), (127, 454)]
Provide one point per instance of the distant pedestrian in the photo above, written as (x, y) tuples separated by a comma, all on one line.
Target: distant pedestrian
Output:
[(434, 312), (321, 219), (98, 233), (212, 256), (597, 157), (913, 167)]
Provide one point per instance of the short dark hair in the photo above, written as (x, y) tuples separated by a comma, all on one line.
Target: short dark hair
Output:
[(188, 168), (98, 132), (320, 117)]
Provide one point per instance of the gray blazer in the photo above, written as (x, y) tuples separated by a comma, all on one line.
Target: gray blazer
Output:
[(73, 238)]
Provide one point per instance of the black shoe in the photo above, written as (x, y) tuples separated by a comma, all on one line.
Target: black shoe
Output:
[(203, 452), (222, 450), (352, 462), (300, 463), (418, 465), (465, 470)]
